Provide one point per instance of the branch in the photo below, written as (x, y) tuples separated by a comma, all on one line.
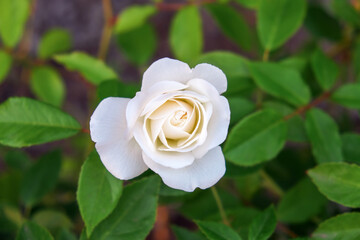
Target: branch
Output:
[(312, 104)]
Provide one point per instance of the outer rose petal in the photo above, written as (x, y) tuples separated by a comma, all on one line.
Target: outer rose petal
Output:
[(138, 103), (166, 69), (211, 74), (108, 128), (218, 126), (203, 173)]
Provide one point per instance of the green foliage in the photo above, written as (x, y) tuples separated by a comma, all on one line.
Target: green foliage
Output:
[(54, 221), (324, 136), (133, 17), (249, 3), (232, 24), (55, 41), (281, 82), (348, 95), (13, 16), (263, 226), (134, 215), (5, 63), (47, 85), (344, 226), (133, 45), (321, 24), (234, 66), (300, 203), (22, 123), (184, 234), (257, 138), (278, 20), (98, 192), (339, 182), (350, 147), (293, 141), (186, 37), (32, 231), (326, 70), (92, 69), (41, 178), (217, 231), (344, 10), (114, 88)]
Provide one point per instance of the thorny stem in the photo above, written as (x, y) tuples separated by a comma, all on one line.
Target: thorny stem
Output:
[(107, 30), (220, 206)]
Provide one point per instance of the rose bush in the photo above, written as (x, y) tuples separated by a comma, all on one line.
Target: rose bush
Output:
[(173, 126)]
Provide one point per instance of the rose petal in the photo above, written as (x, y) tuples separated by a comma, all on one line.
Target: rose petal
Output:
[(138, 103), (168, 159), (108, 128), (211, 74), (203, 173), (218, 125), (166, 69)]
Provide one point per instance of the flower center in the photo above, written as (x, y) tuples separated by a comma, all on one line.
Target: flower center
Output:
[(179, 118)]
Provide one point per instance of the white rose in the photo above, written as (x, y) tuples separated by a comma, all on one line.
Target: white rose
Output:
[(173, 126)]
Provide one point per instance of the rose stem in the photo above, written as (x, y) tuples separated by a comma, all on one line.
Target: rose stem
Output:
[(220, 206)]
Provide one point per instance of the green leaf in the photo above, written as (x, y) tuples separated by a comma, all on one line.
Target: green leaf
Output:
[(231, 24), (253, 4), (296, 124), (350, 147), (133, 17), (321, 24), (184, 234), (47, 85), (10, 183), (257, 138), (281, 82), (234, 66), (54, 41), (13, 16), (41, 178), (348, 95), (239, 108), (5, 63), (114, 88), (339, 182), (17, 160), (135, 213), (356, 58), (217, 231), (345, 227), (263, 226), (65, 234), (324, 136), (300, 203), (133, 45), (10, 218), (92, 69), (98, 192), (326, 70), (32, 231), (344, 10), (278, 20), (26, 122), (52, 220), (186, 38)]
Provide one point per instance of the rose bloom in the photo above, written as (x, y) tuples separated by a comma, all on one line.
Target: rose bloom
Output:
[(173, 126)]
